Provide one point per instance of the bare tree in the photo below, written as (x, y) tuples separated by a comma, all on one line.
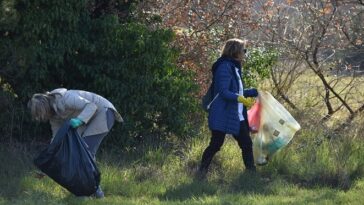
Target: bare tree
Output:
[(201, 27), (313, 34), (318, 31)]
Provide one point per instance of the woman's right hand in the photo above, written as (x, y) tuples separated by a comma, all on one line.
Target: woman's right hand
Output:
[(75, 122)]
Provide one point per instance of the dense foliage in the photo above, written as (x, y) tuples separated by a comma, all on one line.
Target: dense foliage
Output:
[(51, 44), (258, 65)]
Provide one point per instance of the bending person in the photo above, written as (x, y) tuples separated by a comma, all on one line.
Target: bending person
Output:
[(91, 114)]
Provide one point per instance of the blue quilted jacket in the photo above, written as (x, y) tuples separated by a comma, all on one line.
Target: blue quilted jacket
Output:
[(223, 113)]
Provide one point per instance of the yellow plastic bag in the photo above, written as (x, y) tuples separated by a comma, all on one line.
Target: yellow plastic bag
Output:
[(277, 128)]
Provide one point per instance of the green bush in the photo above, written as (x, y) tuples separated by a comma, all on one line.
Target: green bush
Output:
[(258, 65), (51, 44)]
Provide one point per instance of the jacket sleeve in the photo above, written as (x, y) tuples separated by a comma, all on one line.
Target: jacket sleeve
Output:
[(223, 79), (250, 92), (87, 108)]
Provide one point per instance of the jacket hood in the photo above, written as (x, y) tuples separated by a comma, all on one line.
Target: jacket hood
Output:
[(223, 59), (60, 91)]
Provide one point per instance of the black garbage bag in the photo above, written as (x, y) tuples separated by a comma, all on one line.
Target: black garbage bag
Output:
[(68, 162)]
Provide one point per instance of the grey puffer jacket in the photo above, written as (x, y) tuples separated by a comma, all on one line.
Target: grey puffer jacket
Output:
[(87, 106)]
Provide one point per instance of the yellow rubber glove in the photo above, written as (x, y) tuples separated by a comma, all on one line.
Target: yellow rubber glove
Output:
[(247, 102)]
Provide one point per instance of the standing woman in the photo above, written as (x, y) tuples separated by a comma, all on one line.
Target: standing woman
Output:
[(91, 114), (228, 112)]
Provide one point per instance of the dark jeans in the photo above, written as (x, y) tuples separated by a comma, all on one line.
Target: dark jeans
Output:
[(217, 140), (94, 141)]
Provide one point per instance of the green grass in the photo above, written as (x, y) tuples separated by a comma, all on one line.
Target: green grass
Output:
[(317, 167), (313, 169)]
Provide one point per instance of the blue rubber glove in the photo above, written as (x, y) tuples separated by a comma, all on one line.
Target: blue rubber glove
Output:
[(75, 122)]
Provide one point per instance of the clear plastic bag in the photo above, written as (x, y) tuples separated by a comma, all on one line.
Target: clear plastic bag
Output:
[(276, 129), (254, 117)]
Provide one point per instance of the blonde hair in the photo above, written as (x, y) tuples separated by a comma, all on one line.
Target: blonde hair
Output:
[(40, 106), (233, 48)]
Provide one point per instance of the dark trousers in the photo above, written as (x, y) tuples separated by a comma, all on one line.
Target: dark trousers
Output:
[(217, 140), (94, 141)]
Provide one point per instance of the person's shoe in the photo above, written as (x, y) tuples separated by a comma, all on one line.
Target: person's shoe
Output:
[(99, 193), (262, 160)]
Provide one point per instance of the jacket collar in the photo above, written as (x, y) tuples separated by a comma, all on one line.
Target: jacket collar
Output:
[(236, 63), (60, 91), (58, 94)]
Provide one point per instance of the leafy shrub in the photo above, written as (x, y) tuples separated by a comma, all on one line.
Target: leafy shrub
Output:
[(51, 44), (258, 65)]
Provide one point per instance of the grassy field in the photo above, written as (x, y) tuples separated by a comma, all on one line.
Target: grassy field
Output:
[(318, 166), (307, 171)]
